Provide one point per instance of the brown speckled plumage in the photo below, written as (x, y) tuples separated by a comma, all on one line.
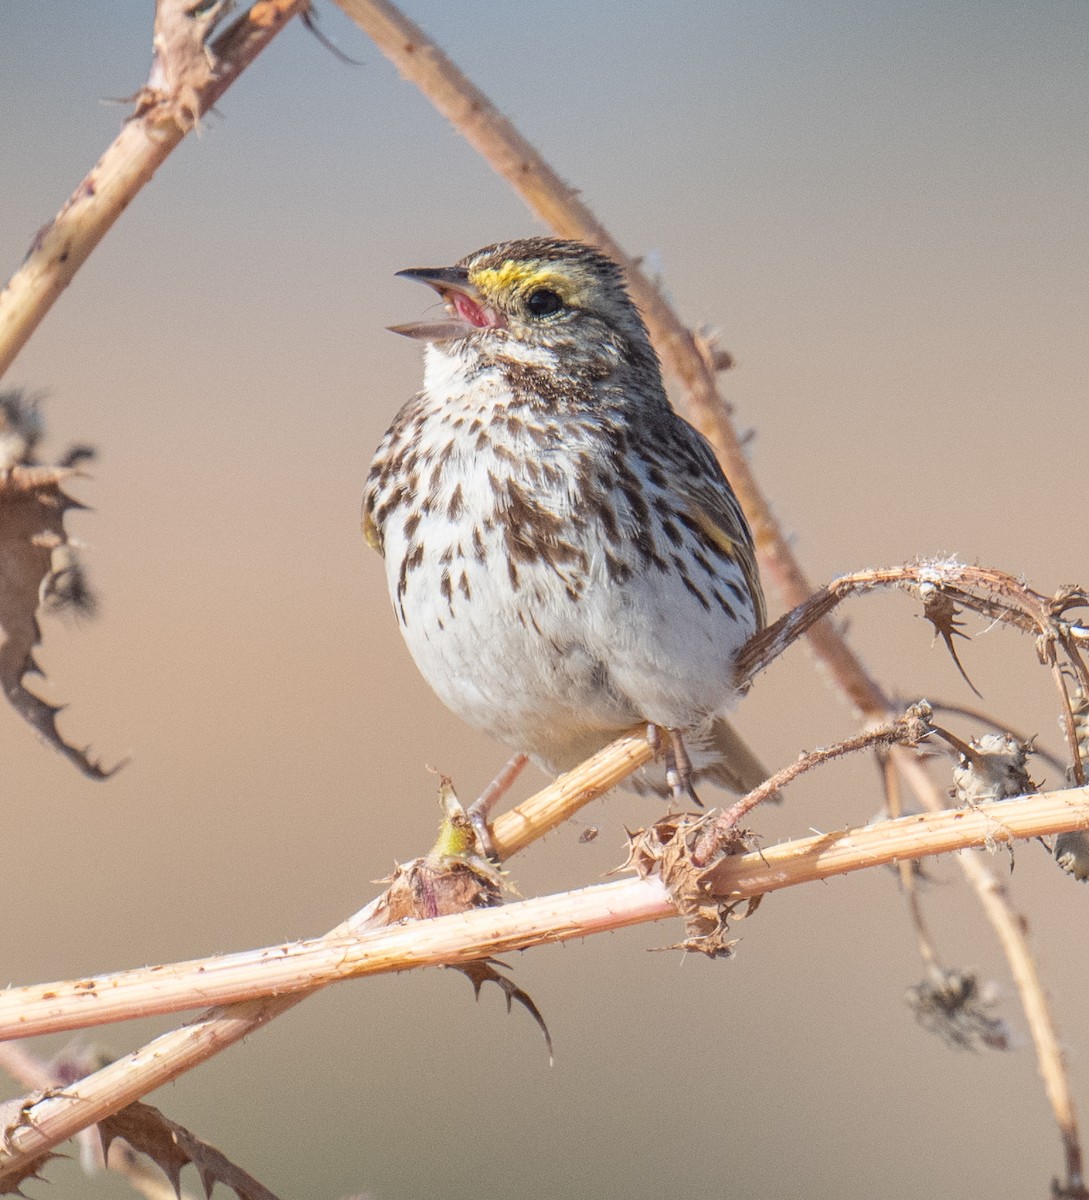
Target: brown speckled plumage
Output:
[(564, 555)]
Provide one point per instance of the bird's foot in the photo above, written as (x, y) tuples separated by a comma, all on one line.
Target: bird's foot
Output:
[(480, 809), (678, 765)]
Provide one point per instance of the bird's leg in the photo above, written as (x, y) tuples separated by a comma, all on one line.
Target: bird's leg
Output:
[(679, 769), (678, 765), (480, 809)]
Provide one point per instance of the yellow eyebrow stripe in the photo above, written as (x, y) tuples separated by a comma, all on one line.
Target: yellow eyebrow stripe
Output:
[(513, 276)]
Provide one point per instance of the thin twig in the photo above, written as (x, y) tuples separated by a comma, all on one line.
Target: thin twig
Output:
[(61, 247), (910, 729), (1049, 1056)]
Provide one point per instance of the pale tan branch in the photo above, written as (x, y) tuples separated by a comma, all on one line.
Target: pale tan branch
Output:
[(464, 937), (181, 1050), (60, 248), (514, 830), (286, 974), (31, 1072), (1049, 1056)]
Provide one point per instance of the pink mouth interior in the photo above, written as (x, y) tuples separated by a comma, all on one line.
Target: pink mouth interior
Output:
[(469, 310)]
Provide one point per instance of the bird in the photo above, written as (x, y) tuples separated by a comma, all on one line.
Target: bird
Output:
[(564, 555)]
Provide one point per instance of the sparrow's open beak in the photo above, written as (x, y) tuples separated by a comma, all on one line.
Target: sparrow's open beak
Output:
[(464, 303)]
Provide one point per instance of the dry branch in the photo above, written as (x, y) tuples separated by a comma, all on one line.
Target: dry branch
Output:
[(62, 246), (285, 974)]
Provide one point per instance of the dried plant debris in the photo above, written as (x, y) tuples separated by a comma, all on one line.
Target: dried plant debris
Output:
[(171, 1146), (22, 428), (943, 613), (11, 1181), (33, 505), (485, 970), (992, 767), (676, 849), (66, 589), (954, 1006), (183, 64), (426, 887), (452, 877)]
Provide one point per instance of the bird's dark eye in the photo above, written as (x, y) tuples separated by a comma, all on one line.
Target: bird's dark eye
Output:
[(543, 302)]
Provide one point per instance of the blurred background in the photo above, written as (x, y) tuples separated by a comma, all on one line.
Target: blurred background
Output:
[(883, 209)]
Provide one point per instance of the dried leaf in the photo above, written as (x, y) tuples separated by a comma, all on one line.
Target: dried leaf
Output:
[(13, 1115), (32, 509), (485, 971), (11, 1184), (66, 589), (21, 429), (171, 1146), (667, 849)]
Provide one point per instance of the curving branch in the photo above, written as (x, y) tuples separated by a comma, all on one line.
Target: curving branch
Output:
[(167, 109)]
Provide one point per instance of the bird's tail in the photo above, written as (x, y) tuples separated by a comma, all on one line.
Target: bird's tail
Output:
[(733, 766)]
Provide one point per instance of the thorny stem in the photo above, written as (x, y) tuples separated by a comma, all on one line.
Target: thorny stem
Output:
[(54, 1119), (419, 60), (366, 946), (61, 247), (31, 1072), (910, 729)]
